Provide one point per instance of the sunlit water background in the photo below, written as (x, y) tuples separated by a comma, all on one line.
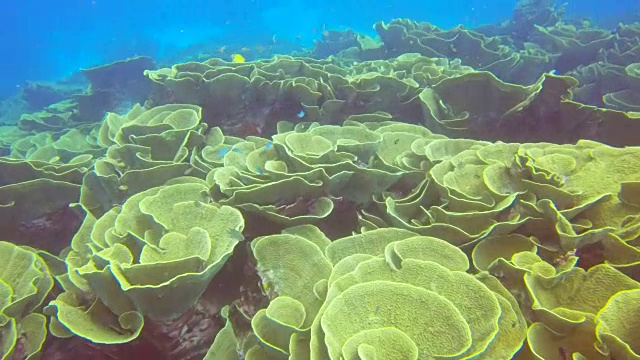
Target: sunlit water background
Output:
[(46, 40)]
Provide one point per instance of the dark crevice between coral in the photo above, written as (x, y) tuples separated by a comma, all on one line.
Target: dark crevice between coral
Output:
[(188, 337), (590, 255), (239, 286), (51, 232), (299, 207), (76, 348), (238, 283), (256, 226), (343, 220)]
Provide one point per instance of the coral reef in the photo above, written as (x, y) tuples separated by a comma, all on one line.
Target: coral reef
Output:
[(448, 97), (382, 220), (494, 54), (26, 281), (113, 87), (39, 95), (448, 197), (250, 98), (519, 51)]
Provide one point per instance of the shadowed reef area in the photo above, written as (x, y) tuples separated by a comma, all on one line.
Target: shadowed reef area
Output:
[(426, 194)]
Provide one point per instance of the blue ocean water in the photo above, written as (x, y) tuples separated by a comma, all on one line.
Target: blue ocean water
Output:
[(46, 40)]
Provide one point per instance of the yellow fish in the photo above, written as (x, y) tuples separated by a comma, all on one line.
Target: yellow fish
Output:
[(237, 58)]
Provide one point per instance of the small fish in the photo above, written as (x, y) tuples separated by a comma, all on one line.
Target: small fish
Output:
[(259, 170), (301, 114), (224, 151), (553, 72), (237, 58), (267, 147), (245, 49), (273, 38), (222, 49)]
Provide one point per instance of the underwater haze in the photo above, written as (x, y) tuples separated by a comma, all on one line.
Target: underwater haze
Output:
[(337, 180), (45, 40)]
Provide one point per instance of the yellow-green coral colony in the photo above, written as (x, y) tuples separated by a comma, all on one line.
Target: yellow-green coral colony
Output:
[(468, 262), (372, 238)]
